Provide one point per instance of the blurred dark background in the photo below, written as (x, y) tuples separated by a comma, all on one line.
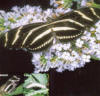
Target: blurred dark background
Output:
[(81, 82), (8, 4)]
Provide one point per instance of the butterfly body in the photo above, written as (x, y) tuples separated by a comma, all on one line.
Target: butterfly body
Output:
[(39, 36)]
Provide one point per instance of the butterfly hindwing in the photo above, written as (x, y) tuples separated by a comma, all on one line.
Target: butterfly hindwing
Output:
[(72, 24)]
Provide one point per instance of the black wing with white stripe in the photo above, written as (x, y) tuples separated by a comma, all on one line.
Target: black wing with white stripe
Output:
[(75, 23), (34, 37), (39, 36), (10, 85)]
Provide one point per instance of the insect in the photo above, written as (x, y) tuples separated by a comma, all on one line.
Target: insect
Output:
[(39, 36), (9, 86)]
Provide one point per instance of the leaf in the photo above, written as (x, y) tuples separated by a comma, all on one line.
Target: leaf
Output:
[(95, 5), (42, 78), (17, 91), (43, 59), (41, 92), (35, 78), (95, 58), (2, 21)]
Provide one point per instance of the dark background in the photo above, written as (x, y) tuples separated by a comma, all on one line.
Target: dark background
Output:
[(81, 82), (7, 4)]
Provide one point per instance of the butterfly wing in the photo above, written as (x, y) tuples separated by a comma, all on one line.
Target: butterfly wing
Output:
[(34, 37), (72, 24)]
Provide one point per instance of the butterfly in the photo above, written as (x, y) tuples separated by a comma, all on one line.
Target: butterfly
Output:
[(40, 36), (9, 86)]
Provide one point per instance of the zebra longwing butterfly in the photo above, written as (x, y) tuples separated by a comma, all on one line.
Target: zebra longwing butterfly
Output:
[(38, 36), (9, 86)]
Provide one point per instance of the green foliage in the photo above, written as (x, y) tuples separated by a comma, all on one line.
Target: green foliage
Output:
[(17, 91), (43, 59), (95, 58), (95, 5), (12, 20), (2, 26), (68, 3), (41, 79)]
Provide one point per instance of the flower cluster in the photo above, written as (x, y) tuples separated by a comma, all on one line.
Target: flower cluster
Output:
[(60, 56), (26, 15), (70, 56)]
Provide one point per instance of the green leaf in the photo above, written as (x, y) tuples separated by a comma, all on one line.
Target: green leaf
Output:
[(43, 59), (12, 20), (2, 20), (37, 93), (86, 45), (95, 5), (35, 78), (67, 3), (42, 78), (95, 58), (17, 91)]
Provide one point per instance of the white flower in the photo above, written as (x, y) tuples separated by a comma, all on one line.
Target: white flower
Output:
[(75, 64), (36, 57), (65, 55), (59, 54), (60, 69), (66, 46), (53, 47), (98, 29), (48, 12), (86, 58), (15, 9), (58, 47), (92, 29), (79, 43), (74, 53), (88, 51), (52, 3), (92, 39), (98, 53), (98, 36), (83, 3)]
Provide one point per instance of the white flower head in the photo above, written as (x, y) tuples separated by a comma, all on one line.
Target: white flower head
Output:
[(79, 43)]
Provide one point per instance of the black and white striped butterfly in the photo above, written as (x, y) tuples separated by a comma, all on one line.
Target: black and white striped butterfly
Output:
[(38, 36), (9, 86)]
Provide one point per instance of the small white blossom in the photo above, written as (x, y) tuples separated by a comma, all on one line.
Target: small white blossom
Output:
[(79, 43), (66, 46), (86, 58), (83, 3), (65, 55), (36, 57), (98, 36)]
